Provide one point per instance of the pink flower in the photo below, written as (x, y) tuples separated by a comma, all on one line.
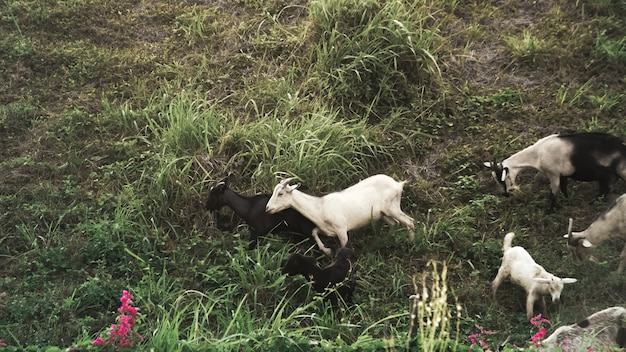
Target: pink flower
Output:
[(122, 334), (473, 337), (538, 336), (538, 320), (476, 335), (483, 331), (99, 342)]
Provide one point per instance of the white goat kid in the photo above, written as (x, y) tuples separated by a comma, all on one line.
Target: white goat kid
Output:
[(610, 225), (525, 272), (337, 213)]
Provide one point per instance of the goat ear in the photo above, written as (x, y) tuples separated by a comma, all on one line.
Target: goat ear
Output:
[(290, 188), (573, 239), (488, 164), (542, 280), (568, 280), (586, 243), (570, 224)]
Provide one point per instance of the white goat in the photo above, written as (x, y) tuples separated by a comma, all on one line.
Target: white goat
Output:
[(603, 329), (520, 266), (337, 213), (582, 157), (611, 224)]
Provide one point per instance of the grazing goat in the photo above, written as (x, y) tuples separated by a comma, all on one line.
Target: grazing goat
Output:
[(611, 224), (336, 275), (520, 266), (252, 211), (603, 329), (337, 213), (582, 157)]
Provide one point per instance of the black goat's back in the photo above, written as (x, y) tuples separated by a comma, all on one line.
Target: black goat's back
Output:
[(299, 264), (595, 156)]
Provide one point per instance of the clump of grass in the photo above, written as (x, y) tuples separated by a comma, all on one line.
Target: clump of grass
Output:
[(526, 48), (606, 101), (613, 51), (564, 97), (19, 115), (196, 24), (374, 53), (318, 147)]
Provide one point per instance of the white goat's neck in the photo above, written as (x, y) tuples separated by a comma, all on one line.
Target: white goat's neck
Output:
[(525, 158), (308, 205)]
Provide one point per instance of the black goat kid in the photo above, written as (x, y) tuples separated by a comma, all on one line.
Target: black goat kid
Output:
[(252, 211), (338, 272)]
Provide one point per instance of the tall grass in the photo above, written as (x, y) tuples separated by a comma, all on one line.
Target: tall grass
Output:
[(319, 147), (527, 47), (374, 54), (228, 319)]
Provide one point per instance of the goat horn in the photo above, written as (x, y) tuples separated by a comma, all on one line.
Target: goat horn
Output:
[(570, 239), (287, 180), (569, 227)]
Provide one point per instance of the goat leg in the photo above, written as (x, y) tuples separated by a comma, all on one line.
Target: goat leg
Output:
[(319, 242), (622, 260)]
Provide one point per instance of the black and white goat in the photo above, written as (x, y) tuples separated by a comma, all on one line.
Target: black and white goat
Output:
[(601, 330), (581, 157), (525, 272), (337, 213), (609, 225), (335, 276), (252, 211)]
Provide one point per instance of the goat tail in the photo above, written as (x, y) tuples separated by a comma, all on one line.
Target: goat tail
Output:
[(508, 240)]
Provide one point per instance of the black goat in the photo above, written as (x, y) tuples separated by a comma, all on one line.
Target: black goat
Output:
[(582, 157), (336, 275), (252, 211)]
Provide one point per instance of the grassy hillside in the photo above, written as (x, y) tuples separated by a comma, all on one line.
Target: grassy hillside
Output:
[(117, 117)]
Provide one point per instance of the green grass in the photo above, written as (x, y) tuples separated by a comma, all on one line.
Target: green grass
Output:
[(116, 118), (384, 49), (527, 47)]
